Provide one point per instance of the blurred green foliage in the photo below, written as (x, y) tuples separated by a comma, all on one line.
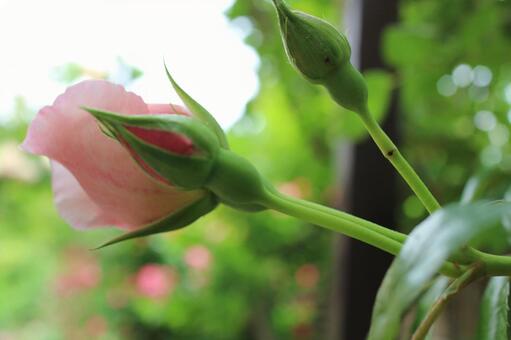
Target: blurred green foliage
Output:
[(264, 275), (452, 60)]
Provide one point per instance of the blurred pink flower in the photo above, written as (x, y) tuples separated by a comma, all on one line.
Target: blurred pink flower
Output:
[(81, 272), (155, 281), (307, 276), (198, 257), (95, 180)]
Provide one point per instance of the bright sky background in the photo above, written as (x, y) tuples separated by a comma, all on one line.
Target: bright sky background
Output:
[(203, 50)]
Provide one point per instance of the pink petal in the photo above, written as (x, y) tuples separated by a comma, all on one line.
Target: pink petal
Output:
[(124, 193), (166, 140)]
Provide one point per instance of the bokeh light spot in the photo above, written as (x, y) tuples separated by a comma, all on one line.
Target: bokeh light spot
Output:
[(445, 86), (482, 76), (485, 120), (462, 75)]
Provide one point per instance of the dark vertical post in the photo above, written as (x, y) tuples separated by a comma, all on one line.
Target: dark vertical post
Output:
[(373, 193)]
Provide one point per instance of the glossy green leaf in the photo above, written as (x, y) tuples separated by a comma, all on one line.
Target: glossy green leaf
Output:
[(199, 111), (438, 286), (479, 187), (493, 320), (506, 219), (485, 183), (174, 221), (473, 189), (427, 247)]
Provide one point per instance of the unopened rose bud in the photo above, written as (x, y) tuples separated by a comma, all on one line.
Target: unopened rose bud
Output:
[(95, 180), (188, 151), (178, 149), (188, 166), (313, 45), (322, 55)]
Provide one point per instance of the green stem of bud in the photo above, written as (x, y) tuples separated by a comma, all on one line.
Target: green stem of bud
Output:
[(362, 230), (237, 183), (392, 153), (493, 264)]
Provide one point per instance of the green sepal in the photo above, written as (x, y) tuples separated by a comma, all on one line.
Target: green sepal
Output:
[(180, 124), (348, 88), (236, 182), (187, 172), (183, 171), (199, 111), (174, 221)]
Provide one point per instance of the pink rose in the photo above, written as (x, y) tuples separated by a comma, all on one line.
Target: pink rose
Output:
[(198, 257), (96, 181), (155, 281)]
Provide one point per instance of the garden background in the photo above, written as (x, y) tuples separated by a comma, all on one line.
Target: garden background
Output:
[(439, 76)]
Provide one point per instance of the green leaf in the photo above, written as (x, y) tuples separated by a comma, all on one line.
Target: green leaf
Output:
[(473, 189), (493, 320), (174, 221), (506, 219), (424, 252), (199, 111), (428, 299), (485, 183)]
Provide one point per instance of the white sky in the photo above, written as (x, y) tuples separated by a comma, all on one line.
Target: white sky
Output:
[(205, 53)]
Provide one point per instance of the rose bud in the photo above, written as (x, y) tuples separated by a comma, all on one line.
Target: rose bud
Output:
[(95, 179), (205, 163), (322, 55), (175, 149), (233, 179)]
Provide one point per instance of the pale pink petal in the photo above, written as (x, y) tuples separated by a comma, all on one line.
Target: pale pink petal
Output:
[(105, 170), (73, 203)]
